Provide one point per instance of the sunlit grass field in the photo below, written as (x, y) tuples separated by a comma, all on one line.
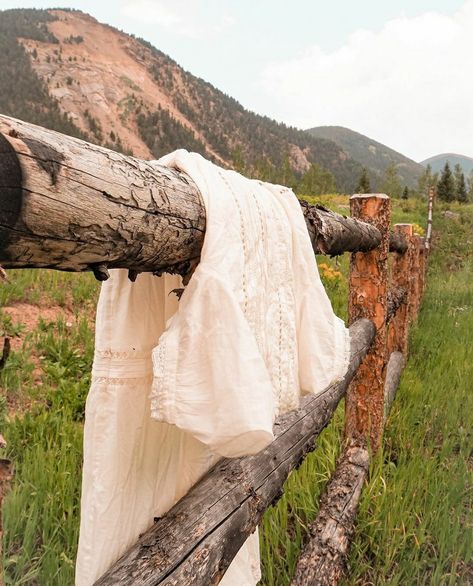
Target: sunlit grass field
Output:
[(415, 519)]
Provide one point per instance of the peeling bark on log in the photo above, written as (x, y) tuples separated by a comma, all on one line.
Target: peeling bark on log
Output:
[(196, 540), (323, 559), (397, 243), (333, 234), (396, 364), (70, 205), (364, 405)]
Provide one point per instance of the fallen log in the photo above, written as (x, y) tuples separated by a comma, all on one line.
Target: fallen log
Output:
[(70, 205), (323, 560), (196, 540)]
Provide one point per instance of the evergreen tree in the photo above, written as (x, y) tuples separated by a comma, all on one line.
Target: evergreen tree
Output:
[(405, 193), (239, 163), (364, 185), (317, 181), (390, 184), (470, 186), (460, 189), (446, 185)]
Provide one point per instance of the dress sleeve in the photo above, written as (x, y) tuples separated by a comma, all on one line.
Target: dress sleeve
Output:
[(209, 376)]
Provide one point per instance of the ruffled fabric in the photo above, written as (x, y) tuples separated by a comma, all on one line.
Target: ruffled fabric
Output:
[(254, 329)]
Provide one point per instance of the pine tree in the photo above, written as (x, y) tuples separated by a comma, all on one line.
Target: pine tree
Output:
[(390, 184), (460, 191), (470, 186), (364, 185), (405, 193), (317, 181), (446, 185), (457, 173)]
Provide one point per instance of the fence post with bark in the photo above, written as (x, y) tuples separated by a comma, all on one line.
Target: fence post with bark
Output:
[(69, 205)]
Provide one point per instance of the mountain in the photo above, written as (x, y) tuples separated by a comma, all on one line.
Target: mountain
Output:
[(438, 162), (371, 154), (64, 70)]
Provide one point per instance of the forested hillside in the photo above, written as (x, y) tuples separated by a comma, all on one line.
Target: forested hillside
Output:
[(64, 70), (373, 155)]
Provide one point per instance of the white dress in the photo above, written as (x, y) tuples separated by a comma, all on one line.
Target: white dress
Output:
[(177, 385)]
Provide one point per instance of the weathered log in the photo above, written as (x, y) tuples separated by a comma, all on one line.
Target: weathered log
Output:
[(333, 234), (397, 243), (396, 297), (396, 364), (364, 405), (323, 560), (70, 205), (196, 540)]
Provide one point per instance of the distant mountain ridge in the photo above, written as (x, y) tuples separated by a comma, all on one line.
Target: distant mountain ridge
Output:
[(438, 162), (78, 76), (373, 155)]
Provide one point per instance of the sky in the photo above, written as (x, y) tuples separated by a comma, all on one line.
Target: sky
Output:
[(398, 71)]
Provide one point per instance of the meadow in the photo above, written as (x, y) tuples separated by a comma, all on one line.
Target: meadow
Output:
[(415, 519)]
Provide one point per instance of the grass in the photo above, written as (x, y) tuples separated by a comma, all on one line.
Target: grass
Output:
[(45, 383), (414, 525)]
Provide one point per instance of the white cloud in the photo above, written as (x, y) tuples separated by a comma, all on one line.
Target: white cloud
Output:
[(189, 19), (408, 85)]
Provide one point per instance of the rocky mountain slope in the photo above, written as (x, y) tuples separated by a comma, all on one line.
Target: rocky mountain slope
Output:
[(65, 70), (371, 154)]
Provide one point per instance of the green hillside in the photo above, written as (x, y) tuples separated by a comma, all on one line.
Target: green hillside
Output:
[(371, 154)]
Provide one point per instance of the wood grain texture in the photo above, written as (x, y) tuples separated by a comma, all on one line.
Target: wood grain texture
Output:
[(364, 405), (70, 205), (196, 540), (323, 560)]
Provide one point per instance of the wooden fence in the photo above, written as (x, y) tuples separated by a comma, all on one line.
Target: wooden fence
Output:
[(69, 205)]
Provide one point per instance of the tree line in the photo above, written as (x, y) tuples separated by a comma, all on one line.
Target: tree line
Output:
[(450, 185)]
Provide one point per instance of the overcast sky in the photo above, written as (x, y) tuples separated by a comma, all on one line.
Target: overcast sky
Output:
[(396, 70)]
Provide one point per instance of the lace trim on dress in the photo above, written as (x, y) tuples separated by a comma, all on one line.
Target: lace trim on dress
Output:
[(161, 396), (99, 380)]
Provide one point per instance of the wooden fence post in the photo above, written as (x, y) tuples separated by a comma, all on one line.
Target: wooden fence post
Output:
[(364, 406), (428, 236), (398, 333), (422, 266), (415, 277)]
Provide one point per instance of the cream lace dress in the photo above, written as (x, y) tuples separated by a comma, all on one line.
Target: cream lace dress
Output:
[(176, 386)]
